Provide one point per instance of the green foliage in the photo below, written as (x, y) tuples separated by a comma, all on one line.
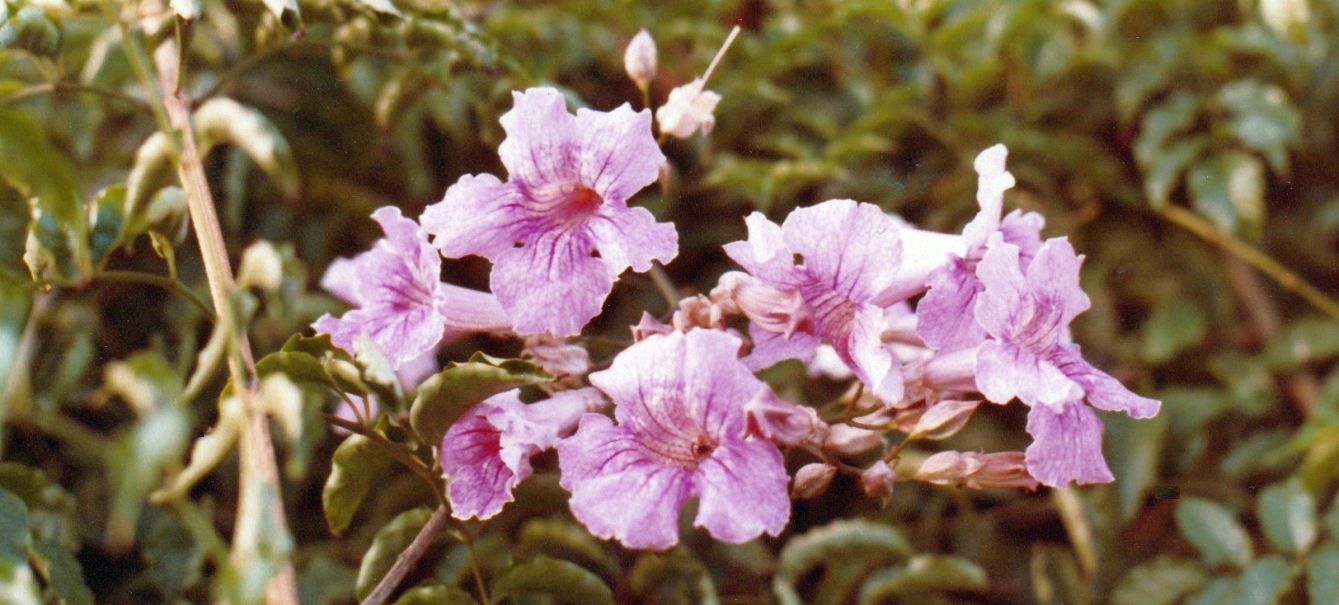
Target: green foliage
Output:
[(447, 395), (358, 464), (1215, 532), (562, 580)]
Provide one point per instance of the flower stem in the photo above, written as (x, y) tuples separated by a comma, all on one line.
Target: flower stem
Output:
[(1283, 276), (730, 39), (407, 559)]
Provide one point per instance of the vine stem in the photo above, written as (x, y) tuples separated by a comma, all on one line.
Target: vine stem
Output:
[(408, 558), (1286, 278), (258, 468)]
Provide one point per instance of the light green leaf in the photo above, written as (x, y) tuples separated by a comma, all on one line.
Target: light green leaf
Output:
[(1265, 581), (1215, 532), (1161, 124), (18, 585), (58, 241), (1161, 177), (1322, 574), (389, 542), (563, 580), (208, 451), (1172, 327), (223, 120), (923, 574), (357, 465), (1288, 516), (447, 395), (1263, 119), (853, 539), (1219, 591), (61, 573), (1229, 189), (140, 455), (1162, 581), (1304, 340)]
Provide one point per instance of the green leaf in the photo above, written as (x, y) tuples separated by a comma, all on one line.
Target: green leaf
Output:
[(175, 560), (924, 574), (1288, 516), (1305, 340), (835, 543), (389, 542), (260, 547), (109, 223), (1215, 532), (18, 585), (1265, 581), (1161, 124), (57, 238), (1263, 119), (1162, 581), (1135, 449), (222, 120), (358, 463), (1229, 189), (1322, 574), (676, 576), (140, 455), (1172, 327), (447, 395), (563, 539), (287, 12), (436, 594), (1218, 591), (563, 580), (51, 509), (60, 572), (1160, 179)]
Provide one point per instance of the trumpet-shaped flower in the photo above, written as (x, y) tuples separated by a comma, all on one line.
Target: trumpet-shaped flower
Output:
[(823, 270), (559, 231), (679, 402), (487, 452), (402, 304)]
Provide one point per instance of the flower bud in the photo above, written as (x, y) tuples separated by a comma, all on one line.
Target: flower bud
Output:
[(640, 59), (877, 481), (556, 356), (849, 441), (977, 471), (688, 108), (647, 327), (944, 419), (811, 480), (262, 267), (772, 418)]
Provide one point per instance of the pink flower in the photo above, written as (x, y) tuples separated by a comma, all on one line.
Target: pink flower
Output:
[(487, 452), (559, 231), (679, 402), (824, 269), (402, 304)]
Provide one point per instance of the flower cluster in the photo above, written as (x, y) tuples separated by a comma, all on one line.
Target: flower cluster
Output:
[(926, 324)]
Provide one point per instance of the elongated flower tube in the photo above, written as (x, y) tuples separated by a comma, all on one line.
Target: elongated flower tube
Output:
[(401, 303), (559, 231), (822, 269), (680, 433)]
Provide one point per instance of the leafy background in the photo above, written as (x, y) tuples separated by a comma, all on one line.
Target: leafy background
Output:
[(1187, 147)]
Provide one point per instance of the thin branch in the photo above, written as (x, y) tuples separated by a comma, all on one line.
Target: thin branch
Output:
[(1283, 276), (75, 87), (406, 560)]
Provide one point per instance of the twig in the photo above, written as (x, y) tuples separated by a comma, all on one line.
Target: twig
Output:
[(407, 559), (1283, 276), (67, 86)]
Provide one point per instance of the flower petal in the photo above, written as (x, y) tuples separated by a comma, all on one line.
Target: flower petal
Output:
[(1053, 275), (1004, 371), (542, 145), (771, 348), (552, 283), (1103, 391), (764, 254), (479, 482), (1002, 287), (742, 491), (617, 154), (478, 215), (873, 362), (618, 490), (851, 247), (1066, 446), (342, 279), (631, 237), (946, 318)]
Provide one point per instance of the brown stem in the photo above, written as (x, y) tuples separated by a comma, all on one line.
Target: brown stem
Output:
[(259, 469), (406, 560)]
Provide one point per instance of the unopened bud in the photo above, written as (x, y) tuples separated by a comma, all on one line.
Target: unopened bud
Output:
[(262, 267), (780, 311), (640, 59), (811, 480), (944, 419), (688, 108), (849, 441), (556, 356), (698, 312), (647, 327), (877, 481), (769, 417), (977, 471)]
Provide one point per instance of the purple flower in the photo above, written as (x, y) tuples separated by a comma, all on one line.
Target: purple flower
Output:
[(559, 231), (945, 313), (679, 401), (402, 304), (1025, 316), (488, 450), (827, 265)]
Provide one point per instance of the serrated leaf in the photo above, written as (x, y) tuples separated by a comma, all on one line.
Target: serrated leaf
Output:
[(446, 396), (1322, 574), (358, 463), (436, 594), (563, 580), (834, 542), (1263, 119), (1162, 581), (924, 574), (390, 541), (1229, 189), (1265, 581), (1214, 532), (1288, 515), (1172, 327)]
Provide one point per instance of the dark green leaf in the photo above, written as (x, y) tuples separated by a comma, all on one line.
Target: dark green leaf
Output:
[(1162, 581), (1218, 591), (1263, 119), (1161, 124), (1173, 327), (562, 580), (447, 395), (565, 540), (1215, 532), (58, 241), (835, 543), (358, 464), (1305, 340), (61, 573), (17, 581), (389, 542), (1161, 178), (109, 223), (923, 574), (1229, 189), (436, 594), (1288, 515)]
